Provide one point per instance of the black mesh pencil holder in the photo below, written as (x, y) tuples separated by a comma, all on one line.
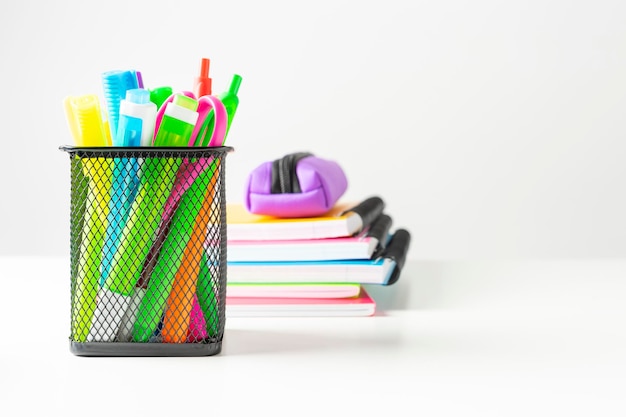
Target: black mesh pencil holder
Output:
[(148, 251)]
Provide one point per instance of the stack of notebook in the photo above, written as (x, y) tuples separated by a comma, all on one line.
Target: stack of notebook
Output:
[(314, 266)]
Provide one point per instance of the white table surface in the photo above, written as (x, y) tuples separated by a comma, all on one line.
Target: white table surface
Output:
[(537, 338)]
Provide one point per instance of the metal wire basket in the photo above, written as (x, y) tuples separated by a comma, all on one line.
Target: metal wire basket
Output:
[(148, 251)]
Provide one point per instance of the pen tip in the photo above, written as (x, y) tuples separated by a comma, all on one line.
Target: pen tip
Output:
[(235, 83), (204, 67)]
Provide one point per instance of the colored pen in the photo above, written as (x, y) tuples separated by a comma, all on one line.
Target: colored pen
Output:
[(205, 288), (202, 84), (137, 119), (179, 303), (125, 333), (84, 113), (178, 122), (136, 125), (136, 128), (197, 326), (154, 301), (208, 299), (230, 99), (78, 173)]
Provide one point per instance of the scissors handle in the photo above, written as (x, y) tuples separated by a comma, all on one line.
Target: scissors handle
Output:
[(189, 171)]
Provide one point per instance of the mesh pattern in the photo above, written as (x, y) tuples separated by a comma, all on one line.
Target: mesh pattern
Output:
[(148, 245)]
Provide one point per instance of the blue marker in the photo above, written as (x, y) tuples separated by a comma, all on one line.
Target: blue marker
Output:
[(137, 110), (136, 128)]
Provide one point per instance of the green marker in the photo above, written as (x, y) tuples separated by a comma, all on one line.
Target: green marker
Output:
[(207, 298), (179, 120), (88, 267), (231, 102), (170, 257), (78, 215)]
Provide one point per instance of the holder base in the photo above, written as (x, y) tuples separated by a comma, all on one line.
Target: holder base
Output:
[(145, 349)]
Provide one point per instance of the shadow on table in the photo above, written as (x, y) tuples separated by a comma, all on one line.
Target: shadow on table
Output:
[(427, 285), (246, 342), (420, 287)]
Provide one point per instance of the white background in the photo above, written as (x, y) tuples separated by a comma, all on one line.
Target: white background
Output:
[(492, 129)]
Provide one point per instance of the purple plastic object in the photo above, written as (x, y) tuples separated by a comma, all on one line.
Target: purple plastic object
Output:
[(318, 182)]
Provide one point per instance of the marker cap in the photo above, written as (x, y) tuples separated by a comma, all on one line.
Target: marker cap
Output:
[(186, 102), (202, 84), (115, 84), (160, 94), (138, 96)]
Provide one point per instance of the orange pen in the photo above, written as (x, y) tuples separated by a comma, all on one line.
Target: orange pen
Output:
[(181, 297)]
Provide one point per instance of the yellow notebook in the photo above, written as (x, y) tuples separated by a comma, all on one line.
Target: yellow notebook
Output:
[(344, 219)]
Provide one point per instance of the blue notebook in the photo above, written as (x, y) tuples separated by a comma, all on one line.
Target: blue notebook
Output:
[(384, 269)]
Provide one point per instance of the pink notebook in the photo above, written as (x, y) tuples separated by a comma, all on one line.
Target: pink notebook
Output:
[(330, 290), (361, 305)]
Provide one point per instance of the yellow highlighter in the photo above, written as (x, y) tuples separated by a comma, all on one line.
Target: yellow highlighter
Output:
[(84, 117)]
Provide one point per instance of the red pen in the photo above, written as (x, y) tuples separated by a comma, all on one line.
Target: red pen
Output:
[(202, 84)]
